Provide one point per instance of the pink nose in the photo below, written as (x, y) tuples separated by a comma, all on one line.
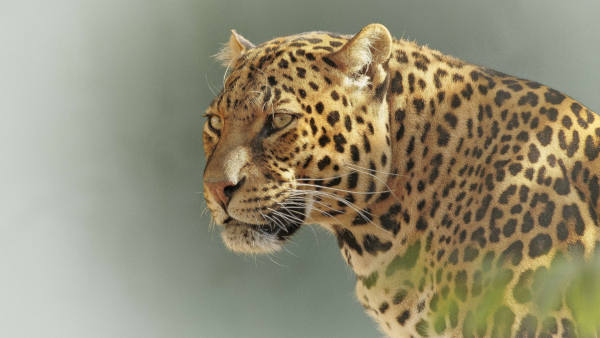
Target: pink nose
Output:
[(222, 191)]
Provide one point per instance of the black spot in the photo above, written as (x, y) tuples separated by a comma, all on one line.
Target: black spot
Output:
[(514, 254), (388, 220), (421, 224), (380, 89), (354, 153), (436, 162), (513, 123), (307, 161), (403, 317), (479, 236), (572, 147), (562, 185), (411, 82), (283, 63), (467, 91), (530, 98), (329, 62), (335, 96), (399, 115), (443, 136), (501, 96), (383, 307), (366, 144), (313, 126), (482, 89), (562, 232), (345, 236), (591, 151), (324, 140), (457, 77), (506, 194), (566, 122), (545, 136), (333, 117), (554, 97), (451, 119), (523, 193), (594, 188), (527, 223), (485, 203), (272, 81), (339, 140), (572, 212), (534, 153), (348, 123), (515, 168), (545, 217), (352, 180), (419, 104), (396, 84), (301, 72), (523, 136), (363, 217), (324, 162), (539, 245), (302, 93), (319, 106), (372, 244), (509, 228), (455, 103)]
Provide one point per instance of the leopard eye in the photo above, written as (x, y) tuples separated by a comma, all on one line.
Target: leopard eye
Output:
[(215, 122), (281, 120)]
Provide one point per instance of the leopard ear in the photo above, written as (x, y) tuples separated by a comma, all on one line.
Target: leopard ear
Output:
[(233, 49), (371, 46)]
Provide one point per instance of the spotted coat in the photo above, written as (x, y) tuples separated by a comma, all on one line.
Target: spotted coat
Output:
[(452, 189)]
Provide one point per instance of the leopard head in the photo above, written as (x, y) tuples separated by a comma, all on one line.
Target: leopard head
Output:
[(298, 135)]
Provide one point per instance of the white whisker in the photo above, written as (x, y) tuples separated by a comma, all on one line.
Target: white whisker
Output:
[(343, 190), (338, 198)]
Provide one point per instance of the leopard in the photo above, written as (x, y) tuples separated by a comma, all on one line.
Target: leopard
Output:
[(452, 189)]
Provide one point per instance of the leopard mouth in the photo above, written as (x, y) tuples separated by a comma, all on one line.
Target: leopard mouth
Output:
[(282, 223)]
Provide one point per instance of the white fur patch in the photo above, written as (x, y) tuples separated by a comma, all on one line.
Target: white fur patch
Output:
[(244, 239), (236, 159)]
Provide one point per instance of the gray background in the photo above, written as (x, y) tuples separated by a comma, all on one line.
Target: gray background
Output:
[(101, 232)]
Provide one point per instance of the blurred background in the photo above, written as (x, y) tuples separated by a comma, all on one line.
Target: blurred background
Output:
[(101, 225)]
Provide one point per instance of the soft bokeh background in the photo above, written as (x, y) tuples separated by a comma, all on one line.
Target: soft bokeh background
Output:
[(101, 232)]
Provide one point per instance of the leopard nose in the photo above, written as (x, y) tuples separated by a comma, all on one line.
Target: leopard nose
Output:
[(222, 191)]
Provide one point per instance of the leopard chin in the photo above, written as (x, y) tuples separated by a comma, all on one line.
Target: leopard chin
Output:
[(250, 238)]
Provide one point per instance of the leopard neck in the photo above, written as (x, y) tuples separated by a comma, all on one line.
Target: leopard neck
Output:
[(422, 99)]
